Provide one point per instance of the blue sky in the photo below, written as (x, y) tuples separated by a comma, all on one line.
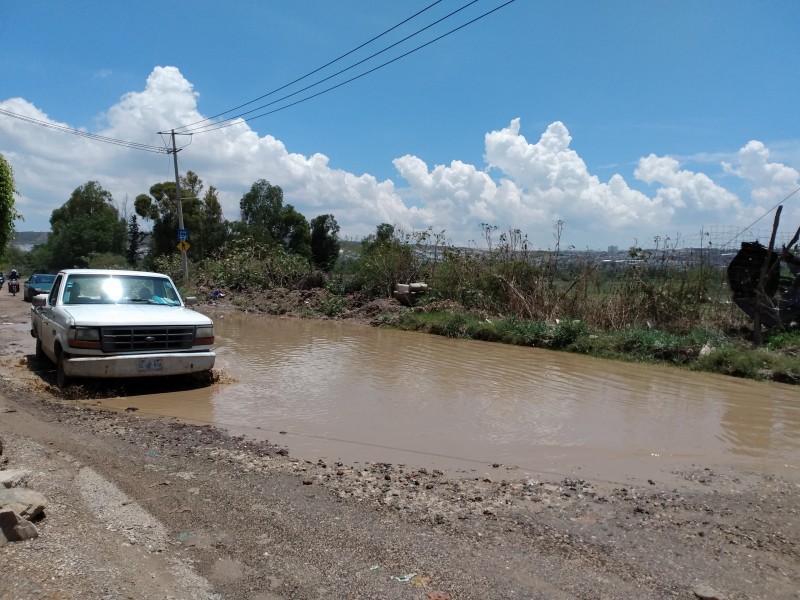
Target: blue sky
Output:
[(624, 120)]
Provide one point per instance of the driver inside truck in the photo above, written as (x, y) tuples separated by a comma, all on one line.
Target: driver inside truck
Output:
[(73, 292)]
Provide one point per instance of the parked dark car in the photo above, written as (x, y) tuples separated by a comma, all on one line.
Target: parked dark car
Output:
[(39, 283)]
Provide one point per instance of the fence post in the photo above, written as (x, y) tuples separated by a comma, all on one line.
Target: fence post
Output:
[(761, 294)]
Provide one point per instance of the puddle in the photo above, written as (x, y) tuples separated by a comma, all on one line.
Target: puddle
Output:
[(360, 394)]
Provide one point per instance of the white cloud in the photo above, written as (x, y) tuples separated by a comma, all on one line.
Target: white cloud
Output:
[(771, 181), (557, 185), (683, 189), (523, 185)]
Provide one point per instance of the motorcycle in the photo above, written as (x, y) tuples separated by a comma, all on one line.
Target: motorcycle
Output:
[(13, 286)]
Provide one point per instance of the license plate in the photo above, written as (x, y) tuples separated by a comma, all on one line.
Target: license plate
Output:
[(150, 364)]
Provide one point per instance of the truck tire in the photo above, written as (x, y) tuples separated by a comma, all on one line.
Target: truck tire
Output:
[(62, 380)]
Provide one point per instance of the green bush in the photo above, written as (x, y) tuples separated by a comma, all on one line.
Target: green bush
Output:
[(248, 265), (785, 340), (334, 303), (567, 332), (169, 264)]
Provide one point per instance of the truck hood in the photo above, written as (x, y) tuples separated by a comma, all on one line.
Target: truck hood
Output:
[(114, 315)]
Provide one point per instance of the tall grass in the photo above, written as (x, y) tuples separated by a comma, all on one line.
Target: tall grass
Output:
[(505, 279), (509, 279)]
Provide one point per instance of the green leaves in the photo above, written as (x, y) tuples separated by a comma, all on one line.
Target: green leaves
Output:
[(268, 221), (325, 244), (8, 212), (86, 225)]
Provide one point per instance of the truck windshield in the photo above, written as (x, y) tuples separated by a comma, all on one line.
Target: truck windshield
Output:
[(120, 289)]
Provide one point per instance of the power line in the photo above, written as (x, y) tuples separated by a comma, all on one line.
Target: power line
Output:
[(308, 87), (762, 216), (229, 121), (337, 59), (86, 134)]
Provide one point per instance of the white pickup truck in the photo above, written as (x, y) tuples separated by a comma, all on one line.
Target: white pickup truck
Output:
[(106, 323)]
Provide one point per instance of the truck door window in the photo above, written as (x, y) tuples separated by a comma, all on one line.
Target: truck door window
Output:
[(51, 299)]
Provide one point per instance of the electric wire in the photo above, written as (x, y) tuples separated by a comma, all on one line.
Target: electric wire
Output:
[(229, 122), (167, 144), (335, 60), (85, 134), (761, 217), (240, 115)]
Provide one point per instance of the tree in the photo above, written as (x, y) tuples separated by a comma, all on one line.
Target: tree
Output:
[(268, 221), (386, 259), (325, 244), (384, 234), (161, 209), (261, 211), (8, 212), (213, 231), (296, 234), (86, 225), (202, 218), (135, 239)]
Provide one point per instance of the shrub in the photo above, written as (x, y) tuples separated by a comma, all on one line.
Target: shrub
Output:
[(567, 332), (248, 265)]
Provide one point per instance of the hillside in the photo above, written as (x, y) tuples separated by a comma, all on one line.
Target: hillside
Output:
[(25, 240)]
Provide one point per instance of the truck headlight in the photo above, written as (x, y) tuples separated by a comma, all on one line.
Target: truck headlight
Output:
[(204, 335), (84, 337)]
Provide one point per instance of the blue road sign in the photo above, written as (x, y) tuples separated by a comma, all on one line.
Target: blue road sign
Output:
[(183, 234)]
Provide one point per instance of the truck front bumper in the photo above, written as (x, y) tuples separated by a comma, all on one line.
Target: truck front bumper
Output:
[(139, 365)]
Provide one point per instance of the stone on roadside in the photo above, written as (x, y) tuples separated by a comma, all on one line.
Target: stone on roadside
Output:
[(15, 529), (705, 592), (13, 478), (27, 503)]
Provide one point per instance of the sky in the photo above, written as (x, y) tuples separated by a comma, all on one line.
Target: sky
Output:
[(581, 124)]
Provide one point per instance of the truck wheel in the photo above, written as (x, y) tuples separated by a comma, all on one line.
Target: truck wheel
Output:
[(206, 378), (62, 380)]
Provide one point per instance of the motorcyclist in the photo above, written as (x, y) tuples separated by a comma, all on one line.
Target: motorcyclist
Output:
[(13, 277)]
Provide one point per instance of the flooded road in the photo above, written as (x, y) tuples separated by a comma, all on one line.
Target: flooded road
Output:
[(347, 392)]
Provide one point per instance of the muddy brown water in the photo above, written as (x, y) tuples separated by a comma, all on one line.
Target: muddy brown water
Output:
[(353, 393)]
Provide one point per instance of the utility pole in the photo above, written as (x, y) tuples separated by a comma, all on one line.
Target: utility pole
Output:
[(179, 203)]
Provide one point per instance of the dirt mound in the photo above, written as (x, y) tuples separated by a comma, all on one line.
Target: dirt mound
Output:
[(316, 303)]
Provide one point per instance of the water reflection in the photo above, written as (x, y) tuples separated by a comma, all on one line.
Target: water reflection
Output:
[(362, 394)]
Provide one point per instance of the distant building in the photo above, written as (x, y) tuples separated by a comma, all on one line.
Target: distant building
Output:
[(613, 249)]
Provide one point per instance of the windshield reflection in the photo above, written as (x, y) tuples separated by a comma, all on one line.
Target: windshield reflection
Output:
[(125, 289)]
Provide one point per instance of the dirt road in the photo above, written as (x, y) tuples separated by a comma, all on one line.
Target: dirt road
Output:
[(141, 508)]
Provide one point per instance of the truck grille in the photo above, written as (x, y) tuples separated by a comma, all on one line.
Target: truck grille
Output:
[(143, 339)]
